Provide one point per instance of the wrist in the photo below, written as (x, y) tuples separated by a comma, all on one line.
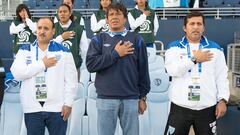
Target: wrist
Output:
[(143, 99), (194, 59), (223, 100)]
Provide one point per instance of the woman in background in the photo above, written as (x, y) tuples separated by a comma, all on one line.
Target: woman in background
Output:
[(144, 21), (98, 19), (71, 35), (23, 28)]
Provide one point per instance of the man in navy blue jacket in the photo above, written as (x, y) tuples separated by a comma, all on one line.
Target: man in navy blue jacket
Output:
[(119, 58)]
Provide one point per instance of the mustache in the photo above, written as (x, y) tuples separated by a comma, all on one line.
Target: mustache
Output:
[(43, 35)]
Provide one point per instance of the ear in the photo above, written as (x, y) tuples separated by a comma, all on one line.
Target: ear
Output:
[(53, 31), (184, 29), (106, 21)]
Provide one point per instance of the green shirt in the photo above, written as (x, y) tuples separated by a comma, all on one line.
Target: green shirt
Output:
[(147, 28), (72, 43), (101, 14), (23, 37)]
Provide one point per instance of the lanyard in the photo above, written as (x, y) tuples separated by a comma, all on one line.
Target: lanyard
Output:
[(37, 56), (189, 56)]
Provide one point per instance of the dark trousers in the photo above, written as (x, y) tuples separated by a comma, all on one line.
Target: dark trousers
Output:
[(180, 120), (36, 123)]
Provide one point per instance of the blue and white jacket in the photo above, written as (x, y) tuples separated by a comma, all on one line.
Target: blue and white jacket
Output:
[(213, 77), (61, 79)]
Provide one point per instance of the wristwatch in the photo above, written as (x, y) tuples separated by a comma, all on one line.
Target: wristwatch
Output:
[(194, 59)]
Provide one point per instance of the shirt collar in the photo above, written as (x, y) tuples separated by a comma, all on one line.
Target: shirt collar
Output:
[(66, 25), (123, 33), (203, 41)]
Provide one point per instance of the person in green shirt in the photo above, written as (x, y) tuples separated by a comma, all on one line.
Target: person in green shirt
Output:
[(71, 35), (23, 28), (142, 19), (77, 16), (98, 19)]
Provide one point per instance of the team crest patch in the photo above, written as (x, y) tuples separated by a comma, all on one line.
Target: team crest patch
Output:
[(171, 130)]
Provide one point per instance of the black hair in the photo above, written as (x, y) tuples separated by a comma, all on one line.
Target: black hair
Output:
[(117, 7), (19, 8), (193, 14), (146, 3)]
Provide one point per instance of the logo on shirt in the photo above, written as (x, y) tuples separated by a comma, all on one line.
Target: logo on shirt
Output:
[(67, 44), (145, 27), (171, 130), (24, 36), (106, 45), (28, 60), (157, 81), (183, 55), (105, 28)]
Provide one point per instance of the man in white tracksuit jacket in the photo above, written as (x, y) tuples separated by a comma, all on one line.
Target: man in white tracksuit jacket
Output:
[(49, 82), (199, 89)]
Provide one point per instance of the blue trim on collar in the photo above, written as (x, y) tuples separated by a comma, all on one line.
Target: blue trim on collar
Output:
[(112, 34), (204, 42)]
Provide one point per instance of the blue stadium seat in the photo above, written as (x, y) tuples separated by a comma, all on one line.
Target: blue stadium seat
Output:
[(80, 4), (231, 3), (11, 111), (158, 100), (75, 124), (213, 3), (92, 4)]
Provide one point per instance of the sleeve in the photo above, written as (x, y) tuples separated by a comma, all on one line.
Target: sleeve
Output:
[(83, 45), (156, 25), (96, 60), (221, 78), (96, 25), (82, 22), (144, 79), (136, 23), (175, 66), (55, 20), (59, 39), (21, 70), (16, 29), (32, 25), (70, 80)]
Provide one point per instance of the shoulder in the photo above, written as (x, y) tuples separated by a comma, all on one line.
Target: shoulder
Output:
[(176, 43), (26, 47), (213, 45), (55, 47)]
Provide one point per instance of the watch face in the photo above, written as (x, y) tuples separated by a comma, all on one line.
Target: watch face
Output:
[(193, 58)]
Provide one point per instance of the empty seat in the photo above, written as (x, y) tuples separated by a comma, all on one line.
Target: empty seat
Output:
[(11, 111), (75, 123)]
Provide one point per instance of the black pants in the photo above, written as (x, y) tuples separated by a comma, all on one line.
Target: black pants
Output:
[(180, 120)]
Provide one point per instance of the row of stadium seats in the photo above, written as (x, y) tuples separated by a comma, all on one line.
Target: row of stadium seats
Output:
[(84, 113), (94, 4), (221, 3), (79, 4)]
